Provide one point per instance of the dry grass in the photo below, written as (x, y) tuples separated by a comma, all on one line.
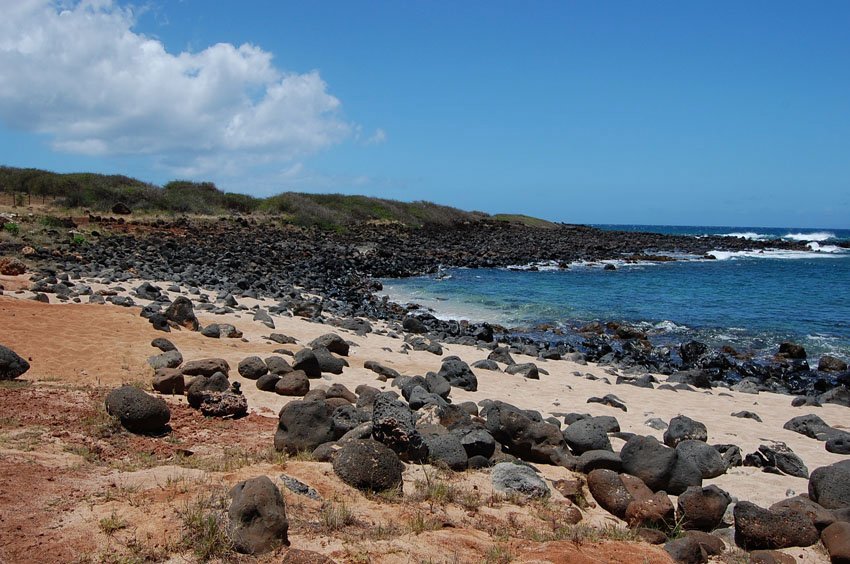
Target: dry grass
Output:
[(205, 526)]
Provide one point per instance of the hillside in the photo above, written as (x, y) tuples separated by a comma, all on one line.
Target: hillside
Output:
[(101, 193)]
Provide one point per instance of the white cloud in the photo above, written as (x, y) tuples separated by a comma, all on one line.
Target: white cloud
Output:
[(78, 72), (377, 138)]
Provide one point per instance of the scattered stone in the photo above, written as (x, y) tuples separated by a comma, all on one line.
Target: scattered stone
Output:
[(10, 266), (705, 457), (759, 528), (267, 382), (448, 450), (380, 369), (257, 516), (838, 442), (683, 428), (299, 487), (649, 460), (836, 540), (509, 478), (332, 342), (303, 426), (252, 368), (200, 387), (694, 547), (587, 434), (169, 381), (11, 365), (278, 365), (263, 317), (501, 354), (170, 359), (770, 557), (368, 466), (458, 374), (138, 411), (223, 404), (478, 442), (394, 425), (163, 344), (810, 425), (780, 456), (831, 364), (747, 415), (487, 364), (282, 339), (595, 459), (527, 370), (182, 312), (829, 486), (610, 400), (306, 361), (702, 508), (293, 383), (205, 367), (328, 362)]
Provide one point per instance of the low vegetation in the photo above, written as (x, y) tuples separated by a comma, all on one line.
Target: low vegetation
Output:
[(100, 193)]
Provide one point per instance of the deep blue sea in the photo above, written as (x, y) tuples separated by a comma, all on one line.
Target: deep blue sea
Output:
[(749, 300)]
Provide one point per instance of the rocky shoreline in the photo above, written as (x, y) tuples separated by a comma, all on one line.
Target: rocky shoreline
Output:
[(315, 271), (248, 318)]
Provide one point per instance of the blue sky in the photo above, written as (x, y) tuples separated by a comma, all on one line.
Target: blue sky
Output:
[(712, 113)]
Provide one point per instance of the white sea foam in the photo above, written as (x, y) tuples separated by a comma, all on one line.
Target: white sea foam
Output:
[(747, 235), (827, 251), (816, 236), (669, 327)]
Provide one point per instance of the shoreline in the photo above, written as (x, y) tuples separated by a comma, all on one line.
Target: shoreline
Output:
[(550, 388)]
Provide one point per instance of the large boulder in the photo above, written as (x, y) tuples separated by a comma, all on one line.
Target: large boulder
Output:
[(11, 266), (292, 384), (331, 341), (830, 485), (257, 516), (478, 442), (509, 478), (501, 354), (182, 312), (306, 360), (394, 425), (702, 508), (447, 449), (684, 428), (223, 404), (649, 460), (303, 426), (522, 436), (792, 351), (778, 455), (587, 434), (836, 540), (138, 411), (458, 374), (526, 370), (695, 547), (831, 364), (368, 465), (759, 528), (169, 359), (685, 473), (205, 367), (705, 457), (202, 386), (810, 425), (11, 365), (252, 368), (328, 362), (169, 381)]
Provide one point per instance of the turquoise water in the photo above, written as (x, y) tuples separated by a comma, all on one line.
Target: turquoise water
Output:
[(751, 301)]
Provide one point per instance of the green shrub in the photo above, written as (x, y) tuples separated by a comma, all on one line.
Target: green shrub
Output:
[(12, 228)]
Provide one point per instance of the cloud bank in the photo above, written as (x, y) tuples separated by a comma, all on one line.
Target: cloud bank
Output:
[(78, 73)]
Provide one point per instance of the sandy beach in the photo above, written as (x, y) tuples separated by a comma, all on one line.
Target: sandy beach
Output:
[(103, 346)]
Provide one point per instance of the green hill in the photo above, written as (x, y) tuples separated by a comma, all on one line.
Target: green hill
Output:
[(99, 193)]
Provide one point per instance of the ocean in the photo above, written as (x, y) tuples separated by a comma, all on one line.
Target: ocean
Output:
[(751, 301)]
